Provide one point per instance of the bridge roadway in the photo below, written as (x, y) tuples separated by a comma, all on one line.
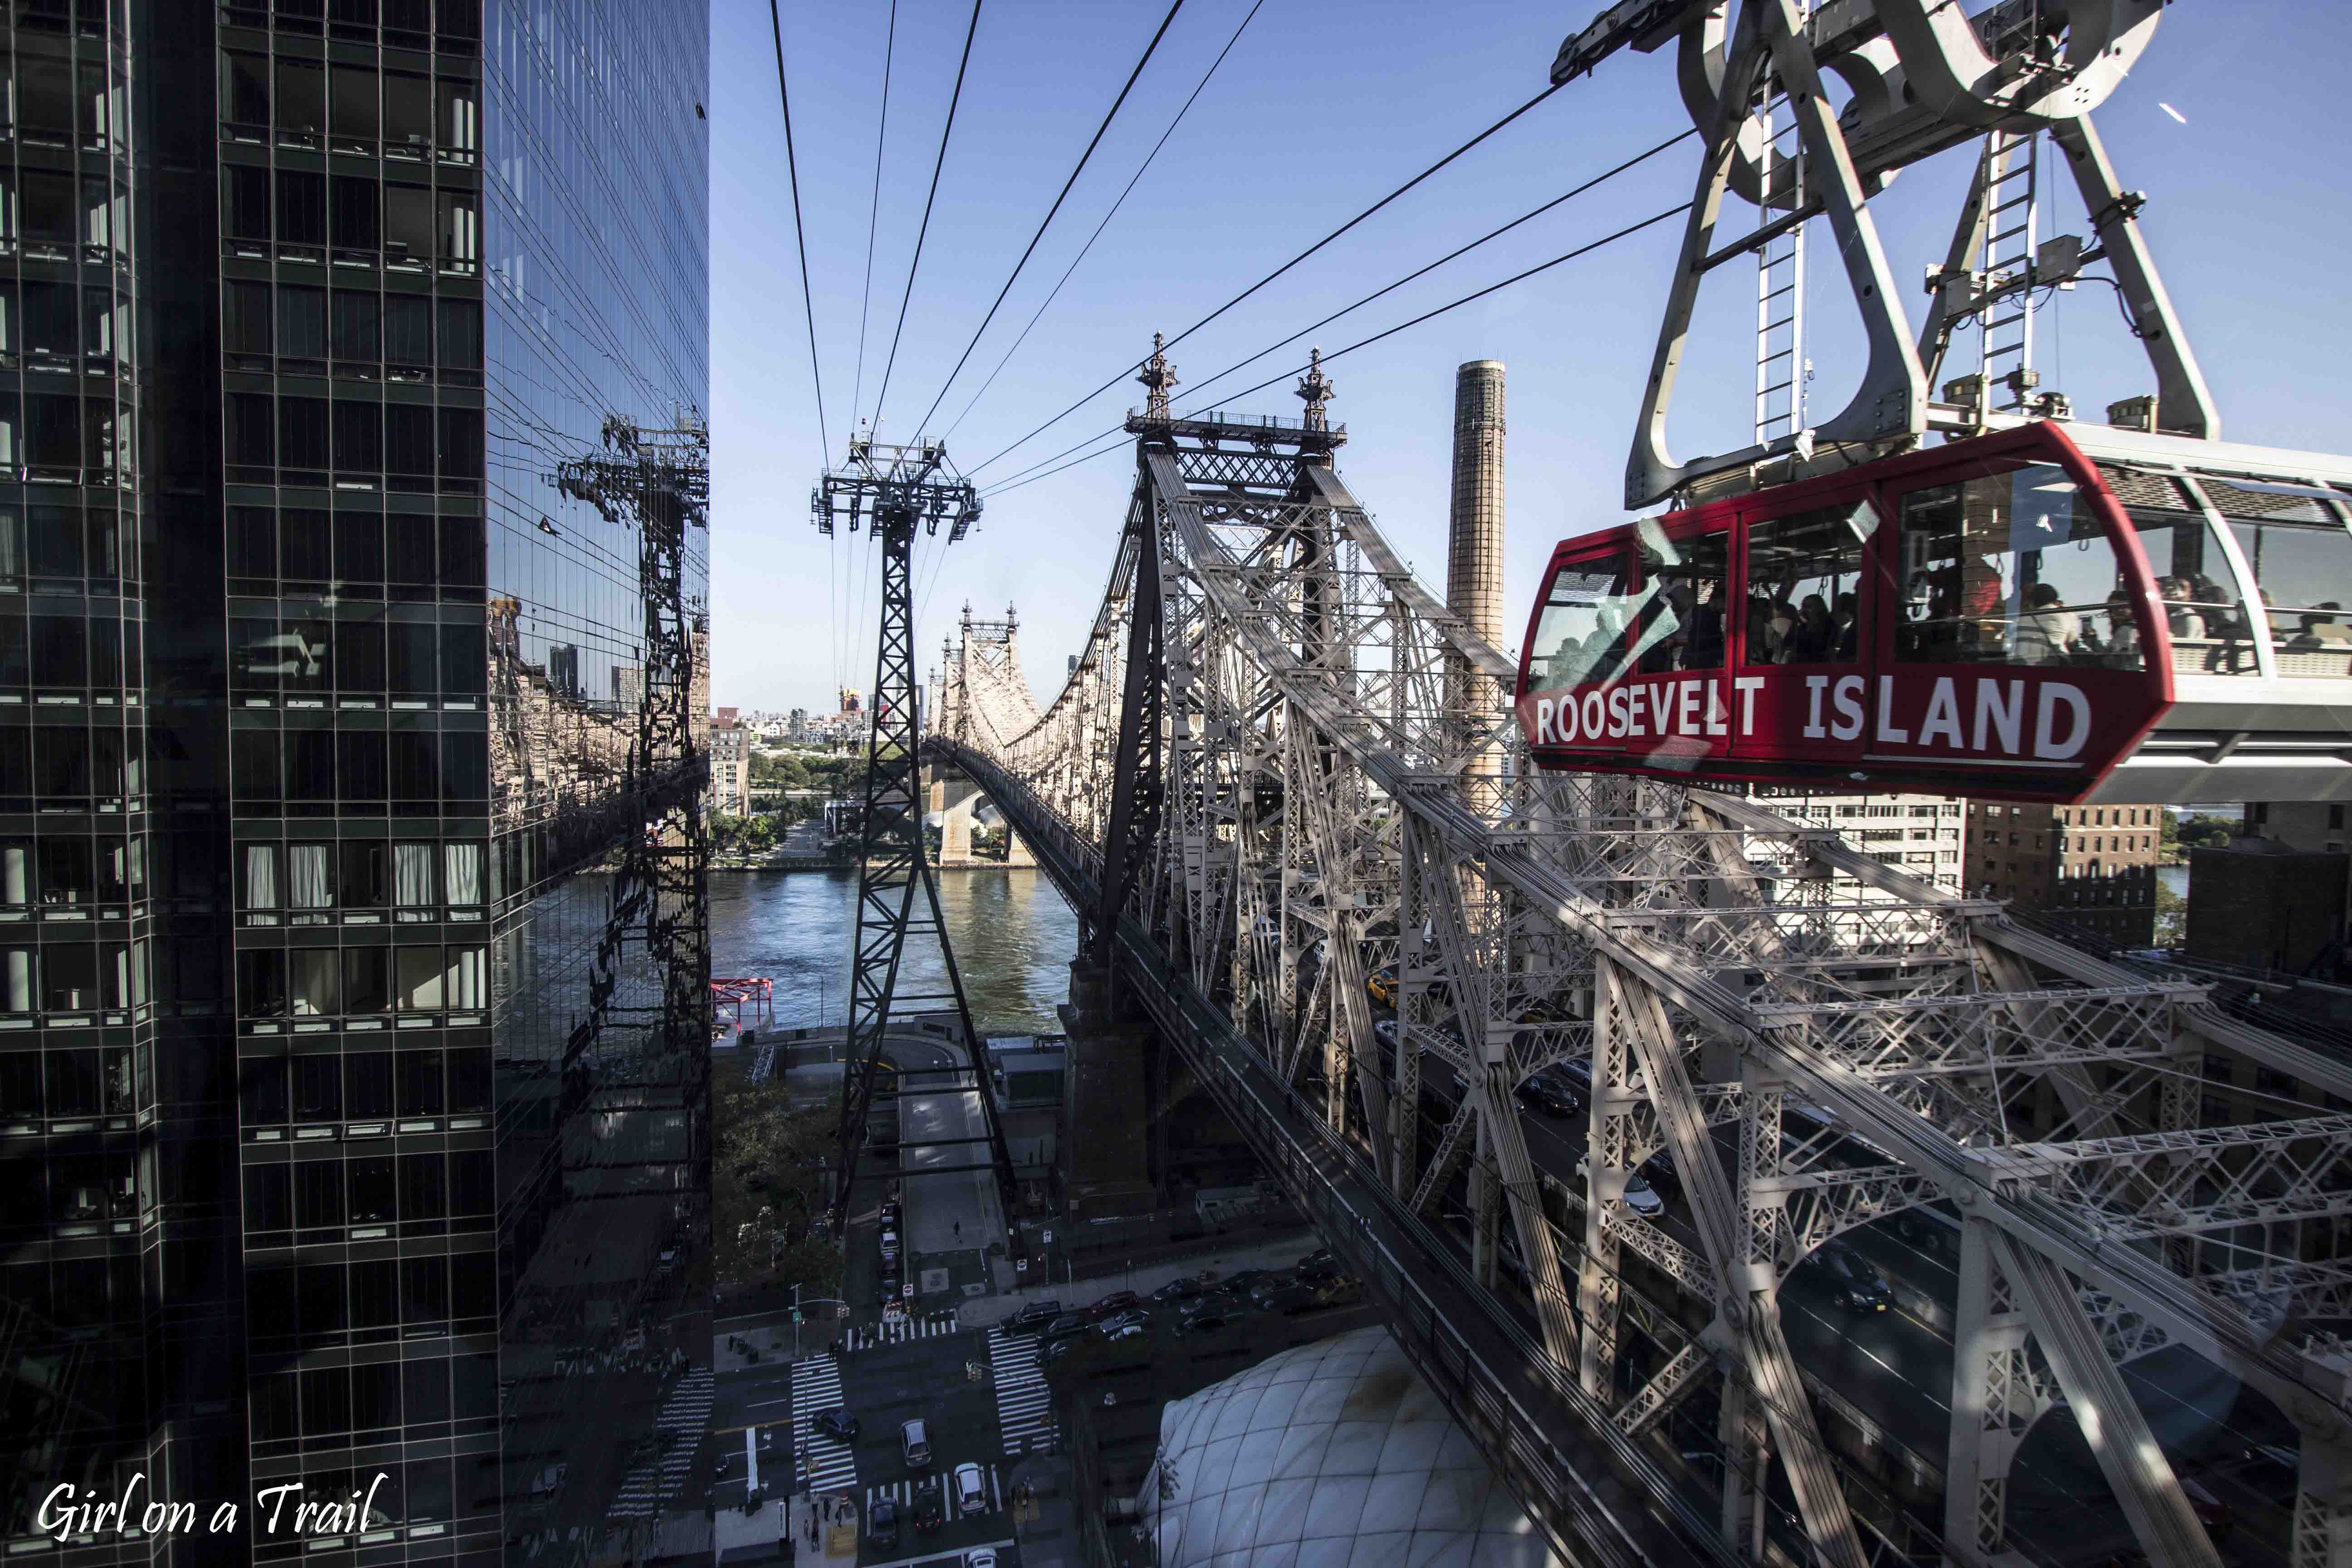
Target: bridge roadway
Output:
[(1599, 1495)]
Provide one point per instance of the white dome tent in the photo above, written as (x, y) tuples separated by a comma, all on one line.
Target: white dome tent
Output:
[(1333, 1455)]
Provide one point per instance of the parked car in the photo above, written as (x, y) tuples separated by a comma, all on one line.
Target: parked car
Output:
[(1287, 1295), (1269, 1285), (1641, 1197), (971, 1489), (1540, 1094), (1221, 1300), (1659, 1170), (1068, 1326), (1133, 1317), (837, 1423), (1183, 1287), (1032, 1317), (930, 1508), (980, 1557), (889, 1244), (1317, 1267), (1853, 1283), (882, 1522), (1111, 1306), (915, 1443), (1204, 1323), (1242, 1280)]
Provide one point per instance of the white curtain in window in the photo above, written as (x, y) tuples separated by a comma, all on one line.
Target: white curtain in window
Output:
[(12, 531), (317, 982), (307, 877), (465, 977), (462, 867), (261, 876), (412, 874)]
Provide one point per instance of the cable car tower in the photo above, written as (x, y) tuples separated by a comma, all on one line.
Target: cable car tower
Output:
[(893, 493), (1923, 79)]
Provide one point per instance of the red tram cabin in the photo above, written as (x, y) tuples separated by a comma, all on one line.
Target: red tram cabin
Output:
[(2001, 616)]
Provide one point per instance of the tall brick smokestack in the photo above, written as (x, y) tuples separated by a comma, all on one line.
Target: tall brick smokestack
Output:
[(1473, 550)]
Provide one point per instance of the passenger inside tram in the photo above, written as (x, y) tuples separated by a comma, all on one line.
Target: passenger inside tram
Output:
[(2008, 568), (1682, 625), (1804, 573)]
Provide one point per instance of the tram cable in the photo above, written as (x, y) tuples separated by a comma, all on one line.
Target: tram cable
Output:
[(1194, 394), (1586, 249), (1112, 114), (1129, 370), (874, 211), (946, 131), (1089, 245), (800, 231)]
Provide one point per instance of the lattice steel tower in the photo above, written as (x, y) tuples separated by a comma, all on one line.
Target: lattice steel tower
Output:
[(893, 491)]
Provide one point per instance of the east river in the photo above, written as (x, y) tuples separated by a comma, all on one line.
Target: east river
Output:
[(1013, 941)]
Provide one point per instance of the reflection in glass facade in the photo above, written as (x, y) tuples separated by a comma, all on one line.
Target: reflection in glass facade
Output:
[(350, 1125)]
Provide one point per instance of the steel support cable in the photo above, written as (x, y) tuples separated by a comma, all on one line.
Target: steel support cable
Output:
[(1278, 272), (1195, 396), (921, 233), (799, 232), (1015, 480), (874, 213), (1089, 245), (1047, 222)]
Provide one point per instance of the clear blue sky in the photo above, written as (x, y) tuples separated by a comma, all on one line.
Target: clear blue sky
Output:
[(1319, 110)]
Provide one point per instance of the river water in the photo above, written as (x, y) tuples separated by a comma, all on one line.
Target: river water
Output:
[(1013, 941)]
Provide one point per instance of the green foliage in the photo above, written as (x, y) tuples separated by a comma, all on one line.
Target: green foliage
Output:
[(2182, 833), (741, 835), (2171, 917), (767, 1173)]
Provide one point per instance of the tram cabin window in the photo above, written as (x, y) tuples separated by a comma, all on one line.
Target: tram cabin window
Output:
[(1804, 582), (2010, 568), (1684, 587), (2193, 582), (1580, 637), (2293, 542)]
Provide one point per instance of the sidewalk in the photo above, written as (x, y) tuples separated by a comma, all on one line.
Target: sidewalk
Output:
[(772, 1341), (738, 1537), (1049, 1537), (1280, 1253)]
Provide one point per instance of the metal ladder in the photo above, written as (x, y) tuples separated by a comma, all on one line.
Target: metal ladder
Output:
[(2007, 260), (1780, 282)]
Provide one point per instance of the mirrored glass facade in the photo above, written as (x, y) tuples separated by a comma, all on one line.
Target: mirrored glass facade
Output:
[(353, 1001)]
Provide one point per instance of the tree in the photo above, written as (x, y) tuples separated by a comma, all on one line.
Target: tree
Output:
[(2171, 917), (767, 1175)]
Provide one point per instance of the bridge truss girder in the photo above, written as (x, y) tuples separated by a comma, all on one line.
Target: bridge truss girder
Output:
[(1323, 820)]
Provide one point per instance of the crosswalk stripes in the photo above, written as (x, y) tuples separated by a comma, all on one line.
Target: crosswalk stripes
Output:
[(829, 1462), (685, 1415), (1024, 1404), (903, 1493), (867, 1336)]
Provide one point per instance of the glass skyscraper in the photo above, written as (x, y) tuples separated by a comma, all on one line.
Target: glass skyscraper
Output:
[(353, 995)]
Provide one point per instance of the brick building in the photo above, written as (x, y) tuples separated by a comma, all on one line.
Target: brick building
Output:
[(2091, 866)]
